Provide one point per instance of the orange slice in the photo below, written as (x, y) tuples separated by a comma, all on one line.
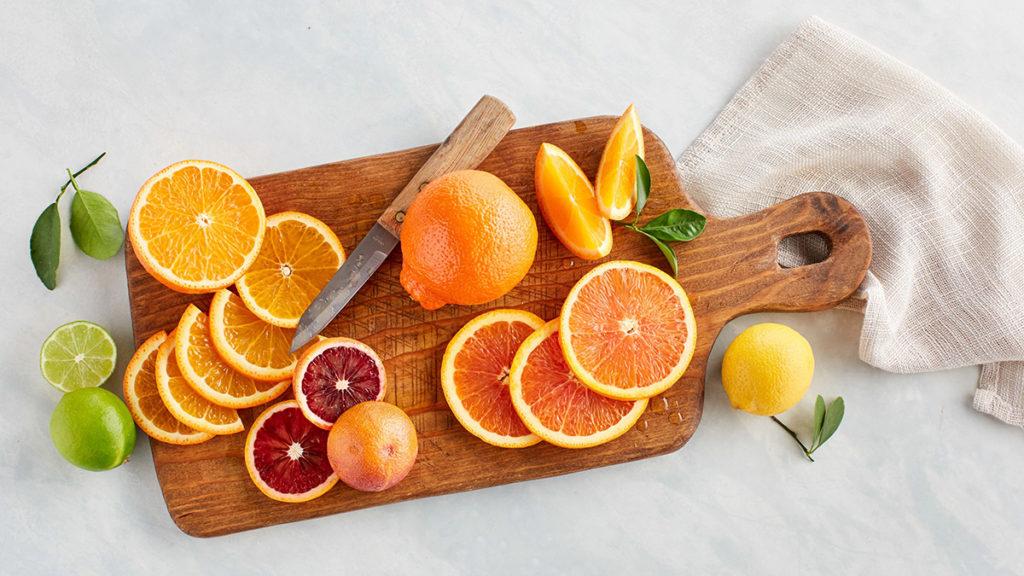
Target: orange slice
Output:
[(183, 403), (143, 399), (627, 330), (286, 455), (299, 255), (474, 376), (555, 405), (248, 344), (569, 206), (210, 376), (196, 226), (616, 174)]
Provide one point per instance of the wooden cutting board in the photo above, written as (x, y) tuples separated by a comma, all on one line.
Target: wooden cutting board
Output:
[(730, 270)]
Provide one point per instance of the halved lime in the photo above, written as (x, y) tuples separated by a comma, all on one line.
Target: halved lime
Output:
[(78, 355)]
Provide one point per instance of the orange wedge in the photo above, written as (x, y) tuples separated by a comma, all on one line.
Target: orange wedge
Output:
[(181, 400), (569, 206), (616, 174), (143, 398), (300, 254), (248, 344), (196, 226), (627, 330), (555, 405), (209, 375), (474, 376)]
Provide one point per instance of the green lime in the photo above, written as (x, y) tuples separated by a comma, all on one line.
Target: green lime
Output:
[(92, 429), (78, 355)]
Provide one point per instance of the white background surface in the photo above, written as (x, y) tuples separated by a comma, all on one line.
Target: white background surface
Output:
[(914, 481)]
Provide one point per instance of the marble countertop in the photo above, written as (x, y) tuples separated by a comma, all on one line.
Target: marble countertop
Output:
[(915, 481)]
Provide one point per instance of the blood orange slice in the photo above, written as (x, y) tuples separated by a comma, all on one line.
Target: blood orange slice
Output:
[(627, 330), (181, 400), (555, 405), (474, 376), (334, 375), (210, 376), (286, 455), (144, 402)]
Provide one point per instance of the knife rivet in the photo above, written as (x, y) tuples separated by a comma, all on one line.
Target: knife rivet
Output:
[(399, 216)]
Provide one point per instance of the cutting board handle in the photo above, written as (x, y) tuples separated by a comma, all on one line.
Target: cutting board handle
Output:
[(756, 282)]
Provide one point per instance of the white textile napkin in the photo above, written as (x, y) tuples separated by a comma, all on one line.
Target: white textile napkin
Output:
[(941, 187)]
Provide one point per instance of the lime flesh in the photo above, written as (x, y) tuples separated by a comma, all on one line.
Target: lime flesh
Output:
[(77, 355), (93, 429)]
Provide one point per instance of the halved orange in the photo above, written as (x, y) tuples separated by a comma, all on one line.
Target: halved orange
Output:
[(569, 206), (627, 330), (248, 344), (144, 402), (209, 375), (616, 174), (474, 376), (286, 455), (300, 254), (196, 226), (555, 405), (183, 403)]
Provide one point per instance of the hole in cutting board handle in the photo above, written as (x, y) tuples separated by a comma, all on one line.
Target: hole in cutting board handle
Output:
[(803, 249)]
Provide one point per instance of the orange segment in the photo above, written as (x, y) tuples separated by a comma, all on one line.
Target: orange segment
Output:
[(300, 254), (182, 401), (474, 376), (569, 206), (555, 405), (616, 174), (248, 344), (210, 376), (196, 226), (144, 402), (627, 330)]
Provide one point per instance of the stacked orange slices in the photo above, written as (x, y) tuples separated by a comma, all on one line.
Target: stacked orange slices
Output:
[(626, 333), (198, 226)]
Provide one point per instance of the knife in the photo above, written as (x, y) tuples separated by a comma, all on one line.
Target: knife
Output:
[(471, 141)]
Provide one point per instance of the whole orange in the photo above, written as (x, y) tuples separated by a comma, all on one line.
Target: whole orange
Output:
[(372, 446), (467, 238)]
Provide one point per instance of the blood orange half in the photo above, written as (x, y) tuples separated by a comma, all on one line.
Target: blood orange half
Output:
[(627, 330), (474, 376), (555, 405), (286, 455), (334, 375)]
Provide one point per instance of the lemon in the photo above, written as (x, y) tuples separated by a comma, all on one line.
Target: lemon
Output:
[(767, 369), (93, 429)]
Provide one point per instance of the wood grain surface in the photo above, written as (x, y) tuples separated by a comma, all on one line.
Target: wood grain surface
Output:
[(730, 270)]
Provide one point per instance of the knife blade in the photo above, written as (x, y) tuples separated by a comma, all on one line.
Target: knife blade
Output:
[(471, 141)]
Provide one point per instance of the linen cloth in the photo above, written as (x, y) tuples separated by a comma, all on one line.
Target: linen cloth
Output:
[(941, 187)]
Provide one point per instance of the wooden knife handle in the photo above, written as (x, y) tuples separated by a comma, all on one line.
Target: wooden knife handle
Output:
[(471, 141)]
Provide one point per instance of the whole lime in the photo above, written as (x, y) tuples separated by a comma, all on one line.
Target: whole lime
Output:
[(92, 429), (767, 369)]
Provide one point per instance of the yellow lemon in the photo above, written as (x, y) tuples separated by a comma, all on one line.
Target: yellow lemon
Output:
[(767, 369)]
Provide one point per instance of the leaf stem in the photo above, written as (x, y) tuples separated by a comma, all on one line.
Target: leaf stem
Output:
[(795, 437), (79, 173)]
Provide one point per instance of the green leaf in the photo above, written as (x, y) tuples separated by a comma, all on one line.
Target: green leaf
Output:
[(670, 254), (678, 225), (643, 185), (833, 416), (44, 246), (819, 419), (95, 225)]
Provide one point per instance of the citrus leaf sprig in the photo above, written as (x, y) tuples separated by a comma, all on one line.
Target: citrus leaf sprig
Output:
[(95, 228), (676, 225), (826, 422)]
